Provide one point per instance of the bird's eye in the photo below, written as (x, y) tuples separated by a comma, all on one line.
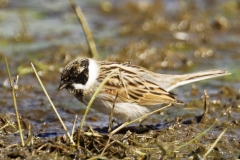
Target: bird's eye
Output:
[(85, 63)]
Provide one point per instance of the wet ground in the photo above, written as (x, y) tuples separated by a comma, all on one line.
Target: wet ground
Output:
[(173, 37)]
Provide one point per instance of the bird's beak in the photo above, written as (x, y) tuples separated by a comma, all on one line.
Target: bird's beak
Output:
[(62, 85)]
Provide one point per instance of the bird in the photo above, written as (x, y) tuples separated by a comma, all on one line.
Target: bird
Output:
[(131, 89)]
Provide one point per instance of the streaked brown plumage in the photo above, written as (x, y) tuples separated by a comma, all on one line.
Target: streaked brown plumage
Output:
[(131, 87)]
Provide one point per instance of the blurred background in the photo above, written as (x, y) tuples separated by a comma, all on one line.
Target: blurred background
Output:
[(168, 36)]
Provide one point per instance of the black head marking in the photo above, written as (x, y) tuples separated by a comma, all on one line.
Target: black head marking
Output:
[(75, 72)]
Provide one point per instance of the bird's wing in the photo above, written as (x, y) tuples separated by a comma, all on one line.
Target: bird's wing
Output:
[(131, 87)]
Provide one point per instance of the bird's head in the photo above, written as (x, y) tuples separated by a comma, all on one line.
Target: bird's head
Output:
[(79, 74)]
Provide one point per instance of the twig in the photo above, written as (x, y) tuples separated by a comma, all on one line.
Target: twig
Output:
[(54, 108), (97, 157), (111, 115), (15, 102), (206, 106), (215, 143), (128, 123), (6, 125), (42, 146), (11, 146), (87, 32), (74, 123)]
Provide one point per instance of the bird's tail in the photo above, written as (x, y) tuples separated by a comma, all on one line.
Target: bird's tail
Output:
[(178, 80)]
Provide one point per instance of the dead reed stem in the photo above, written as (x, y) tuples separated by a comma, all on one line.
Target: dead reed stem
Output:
[(91, 44), (15, 102), (54, 108)]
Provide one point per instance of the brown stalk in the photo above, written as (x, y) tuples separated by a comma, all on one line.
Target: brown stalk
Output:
[(15, 102), (111, 115), (206, 106), (54, 108), (91, 44)]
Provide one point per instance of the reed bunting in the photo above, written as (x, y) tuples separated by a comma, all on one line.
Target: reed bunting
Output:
[(137, 87)]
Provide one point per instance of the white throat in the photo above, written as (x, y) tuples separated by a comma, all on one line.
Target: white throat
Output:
[(93, 73)]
